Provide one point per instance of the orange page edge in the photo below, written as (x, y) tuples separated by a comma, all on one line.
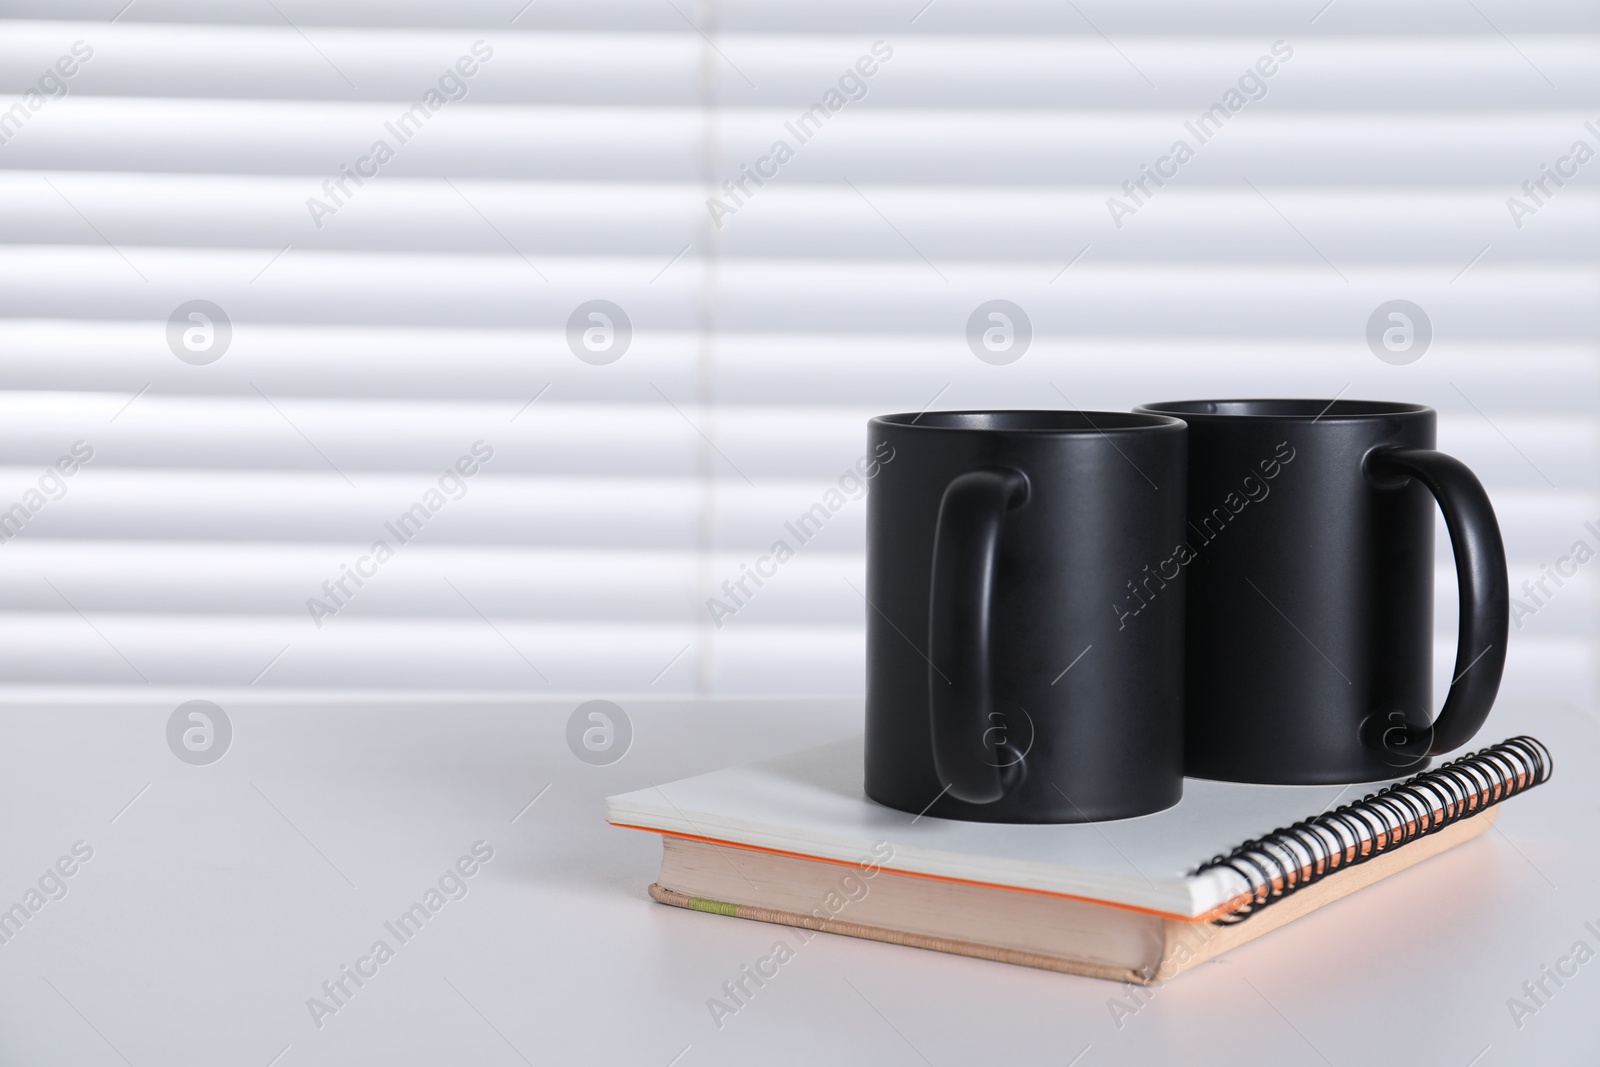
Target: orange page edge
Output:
[(1217, 912)]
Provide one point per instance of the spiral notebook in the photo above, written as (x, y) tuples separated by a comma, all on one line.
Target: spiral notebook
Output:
[(795, 841)]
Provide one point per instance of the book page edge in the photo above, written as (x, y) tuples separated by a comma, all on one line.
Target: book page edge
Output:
[(885, 935)]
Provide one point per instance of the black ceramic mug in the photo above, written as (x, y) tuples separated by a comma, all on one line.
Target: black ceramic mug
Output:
[(1309, 557), (1000, 688)]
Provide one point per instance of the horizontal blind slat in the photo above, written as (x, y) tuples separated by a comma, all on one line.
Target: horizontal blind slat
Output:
[(1425, 19), (632, 512), (312, 584), (884, 372), (763, 442), (205, 652), (132, 210), (1027, 72), (1310, 299), (996, 147)]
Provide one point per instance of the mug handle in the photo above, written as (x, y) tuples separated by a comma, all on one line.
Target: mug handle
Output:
[(1484, 591), (960, 601)]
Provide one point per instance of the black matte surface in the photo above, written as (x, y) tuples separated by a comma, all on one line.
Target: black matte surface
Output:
[(1310, 597), (1022, 737)]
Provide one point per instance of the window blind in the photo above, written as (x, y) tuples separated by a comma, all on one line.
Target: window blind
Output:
[(277, 341)]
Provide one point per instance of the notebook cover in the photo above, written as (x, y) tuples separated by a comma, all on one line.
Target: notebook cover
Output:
[(811, 804)]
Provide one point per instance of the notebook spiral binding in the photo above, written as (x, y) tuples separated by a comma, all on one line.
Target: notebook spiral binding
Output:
[(1291, 858)]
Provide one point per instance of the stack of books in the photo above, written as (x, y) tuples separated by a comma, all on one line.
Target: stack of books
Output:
[(795, 841)]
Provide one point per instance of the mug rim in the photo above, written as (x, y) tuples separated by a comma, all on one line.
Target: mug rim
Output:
[(1064, 422), (1265, 409)]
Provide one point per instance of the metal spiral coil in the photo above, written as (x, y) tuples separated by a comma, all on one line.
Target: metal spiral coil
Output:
[(1293, 857)]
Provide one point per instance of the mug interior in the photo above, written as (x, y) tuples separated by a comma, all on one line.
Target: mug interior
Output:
[(1286, 409), (1023, 421)]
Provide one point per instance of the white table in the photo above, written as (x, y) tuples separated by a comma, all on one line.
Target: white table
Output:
[(223, 896)]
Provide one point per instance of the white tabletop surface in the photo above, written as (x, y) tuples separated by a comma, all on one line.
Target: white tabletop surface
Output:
[(223, 896)]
